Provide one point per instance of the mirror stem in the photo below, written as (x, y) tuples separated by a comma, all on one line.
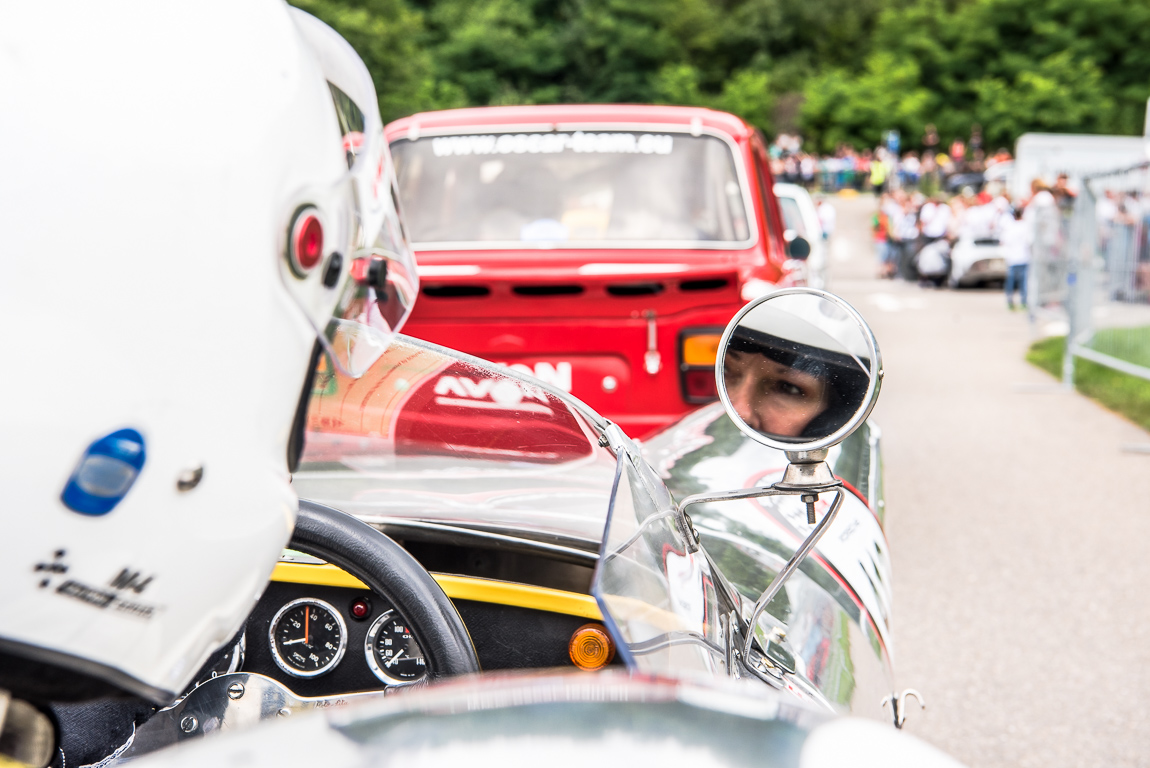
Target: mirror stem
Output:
[(792, 564)]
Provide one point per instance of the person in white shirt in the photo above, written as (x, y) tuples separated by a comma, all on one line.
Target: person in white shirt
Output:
[(904, 234), (826, 213), (935, 219), (1015, 237)]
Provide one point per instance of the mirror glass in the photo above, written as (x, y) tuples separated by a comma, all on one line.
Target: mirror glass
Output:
[(797, 369)]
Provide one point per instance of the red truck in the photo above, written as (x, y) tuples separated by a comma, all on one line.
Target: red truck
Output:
[(600, 248)]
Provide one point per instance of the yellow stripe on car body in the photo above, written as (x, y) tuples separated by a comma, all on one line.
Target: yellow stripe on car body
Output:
[(457, 588)]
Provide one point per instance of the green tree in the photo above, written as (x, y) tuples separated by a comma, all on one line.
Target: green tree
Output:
[(746, 93), (842, 108), (387, 36), (1057, 94), (861, 66), (1011, 65)]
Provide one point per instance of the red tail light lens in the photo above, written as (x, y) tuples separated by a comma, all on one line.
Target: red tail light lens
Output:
[(305, 247), (699, 384), (698, 348)]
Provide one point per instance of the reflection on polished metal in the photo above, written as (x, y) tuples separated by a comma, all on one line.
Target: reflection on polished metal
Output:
[(211, 707), (807, 469), (730, 625), (897, 702), (793, 564), (465, 535), (800, 554)]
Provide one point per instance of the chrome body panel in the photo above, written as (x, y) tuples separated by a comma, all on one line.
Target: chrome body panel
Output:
[(835, 612), (435, 439), (457, 449)]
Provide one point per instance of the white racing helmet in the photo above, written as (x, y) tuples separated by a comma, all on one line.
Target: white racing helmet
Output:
[(191, 196)]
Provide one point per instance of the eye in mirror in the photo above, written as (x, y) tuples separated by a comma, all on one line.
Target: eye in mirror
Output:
[(798, 369)]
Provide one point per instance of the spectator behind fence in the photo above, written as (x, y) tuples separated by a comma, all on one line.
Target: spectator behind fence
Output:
[(1063, 194), (1015, 238)]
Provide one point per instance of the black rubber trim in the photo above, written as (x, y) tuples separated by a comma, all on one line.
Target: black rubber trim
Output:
[(41, 675), (388, 570), (299, 423)]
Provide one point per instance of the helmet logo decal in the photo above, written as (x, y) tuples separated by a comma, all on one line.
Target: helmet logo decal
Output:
[(105, 473), (114, 596)]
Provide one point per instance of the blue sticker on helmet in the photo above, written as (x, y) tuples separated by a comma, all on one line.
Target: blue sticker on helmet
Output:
[(105, 473)]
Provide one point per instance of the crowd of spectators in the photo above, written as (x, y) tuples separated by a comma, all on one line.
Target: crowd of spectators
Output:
[(929, 171), (907, 225), (929, 201)]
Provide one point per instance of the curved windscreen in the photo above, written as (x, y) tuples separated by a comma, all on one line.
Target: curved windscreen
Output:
[(583, 188), (657, 591)]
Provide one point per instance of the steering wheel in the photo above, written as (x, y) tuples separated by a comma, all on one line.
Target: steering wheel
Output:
[(389, 571)]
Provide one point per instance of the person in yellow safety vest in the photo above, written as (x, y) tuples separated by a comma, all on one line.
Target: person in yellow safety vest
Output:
[(878, 176)]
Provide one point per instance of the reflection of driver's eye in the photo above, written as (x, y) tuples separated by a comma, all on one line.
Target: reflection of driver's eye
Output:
[(789, 389)]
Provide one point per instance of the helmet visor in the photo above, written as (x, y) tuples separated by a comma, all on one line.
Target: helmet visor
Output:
[(360, 291), (376, 300)]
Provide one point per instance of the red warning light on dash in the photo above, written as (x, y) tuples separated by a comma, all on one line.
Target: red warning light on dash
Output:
[(360, 608)]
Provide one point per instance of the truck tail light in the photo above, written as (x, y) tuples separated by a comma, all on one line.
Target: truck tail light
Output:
[(698, 349)]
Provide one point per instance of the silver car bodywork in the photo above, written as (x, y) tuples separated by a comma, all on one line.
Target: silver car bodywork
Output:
[(827, 634), (836, 610), (834, 615)]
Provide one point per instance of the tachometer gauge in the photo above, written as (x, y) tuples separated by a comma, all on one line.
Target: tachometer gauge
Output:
[(392, 652), (308, 637)]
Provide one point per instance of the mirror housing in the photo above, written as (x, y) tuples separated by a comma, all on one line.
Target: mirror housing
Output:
[(798, 247)]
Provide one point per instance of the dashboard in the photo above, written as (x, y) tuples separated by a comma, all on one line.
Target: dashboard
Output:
[(321, 632)]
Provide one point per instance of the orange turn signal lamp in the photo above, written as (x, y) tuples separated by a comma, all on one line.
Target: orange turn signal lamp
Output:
[(698, 350), (591, 648), (701, 349)]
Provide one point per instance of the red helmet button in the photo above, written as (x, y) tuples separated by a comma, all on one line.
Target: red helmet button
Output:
[(306, 246)]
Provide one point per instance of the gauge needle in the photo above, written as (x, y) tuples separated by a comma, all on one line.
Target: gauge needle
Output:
[(297, 640), (306, 618), (394, 658)]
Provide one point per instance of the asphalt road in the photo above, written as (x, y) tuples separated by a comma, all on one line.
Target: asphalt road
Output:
[(1018, 528)]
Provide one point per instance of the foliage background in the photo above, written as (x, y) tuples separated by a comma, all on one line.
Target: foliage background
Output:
[(835, 70)]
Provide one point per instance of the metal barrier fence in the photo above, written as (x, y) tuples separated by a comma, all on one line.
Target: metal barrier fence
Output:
[(1096, 265)]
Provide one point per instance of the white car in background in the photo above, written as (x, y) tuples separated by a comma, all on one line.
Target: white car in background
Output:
[(801, 218), (976, 258)]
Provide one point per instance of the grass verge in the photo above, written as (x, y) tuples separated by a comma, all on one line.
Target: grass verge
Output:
[(1120, 392)]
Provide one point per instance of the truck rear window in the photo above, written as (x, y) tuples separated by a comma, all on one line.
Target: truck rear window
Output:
[(580, 189)]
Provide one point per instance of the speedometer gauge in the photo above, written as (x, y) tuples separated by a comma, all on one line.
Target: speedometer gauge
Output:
[(392, 652), (308, 637)]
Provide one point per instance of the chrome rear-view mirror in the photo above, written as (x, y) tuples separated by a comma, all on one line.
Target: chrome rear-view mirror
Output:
[(798, 370)]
